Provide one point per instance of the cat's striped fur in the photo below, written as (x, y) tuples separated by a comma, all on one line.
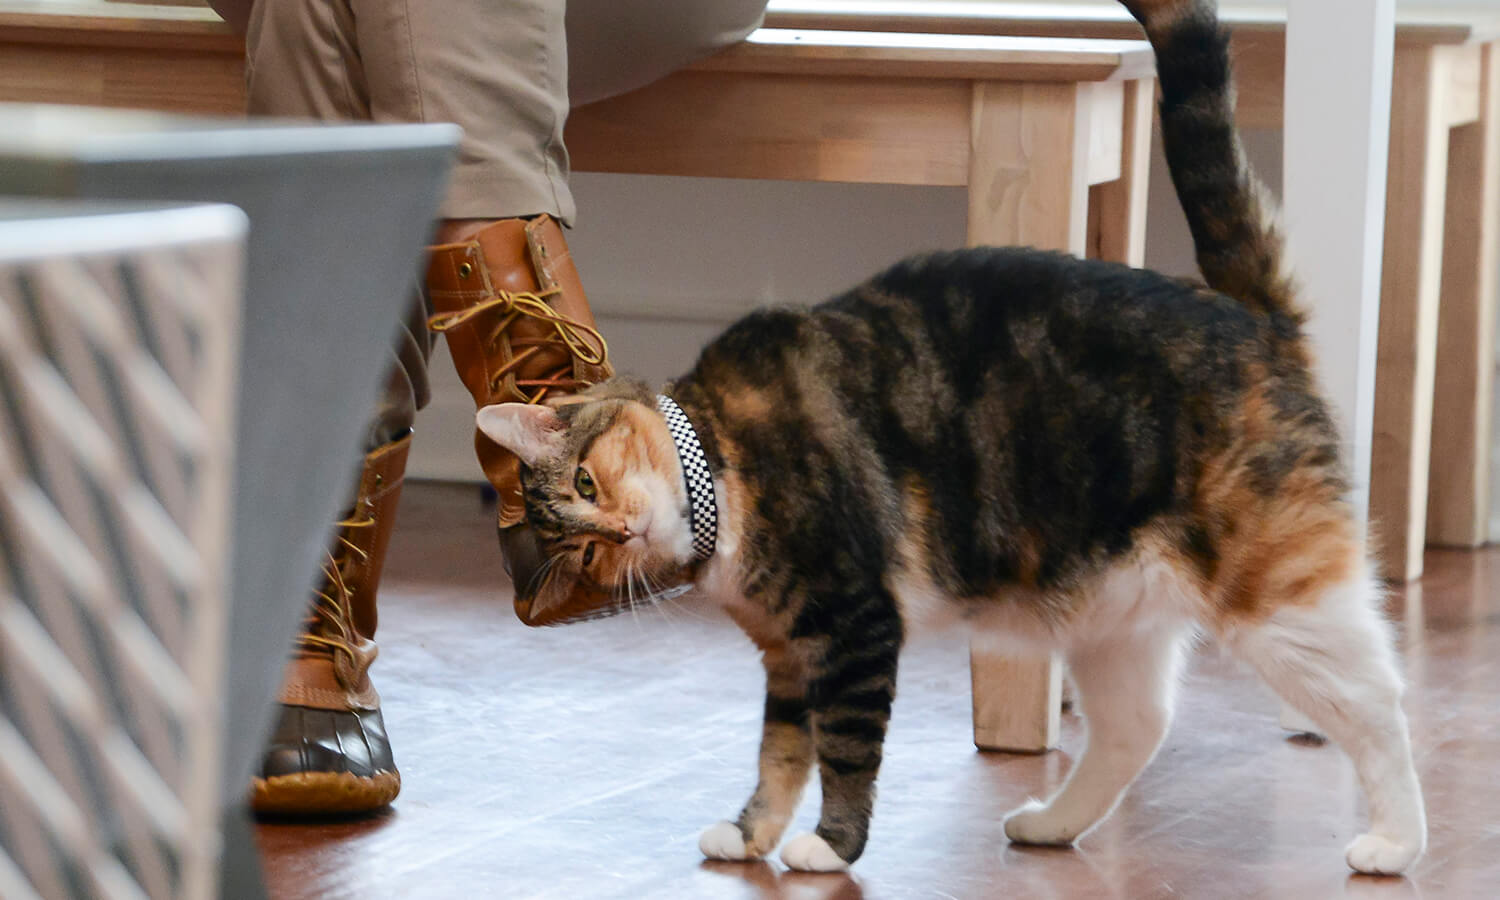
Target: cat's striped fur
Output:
[(1069, 455)]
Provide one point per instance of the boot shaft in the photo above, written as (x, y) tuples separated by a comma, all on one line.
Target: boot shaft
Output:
[(519, 328)]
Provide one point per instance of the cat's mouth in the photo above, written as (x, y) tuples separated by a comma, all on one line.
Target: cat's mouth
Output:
[(639, 542)]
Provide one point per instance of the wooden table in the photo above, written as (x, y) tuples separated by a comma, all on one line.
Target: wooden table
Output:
[(1051, 137), (1436, 364)]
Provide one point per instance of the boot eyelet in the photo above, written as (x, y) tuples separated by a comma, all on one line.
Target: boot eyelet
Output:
[(465, 270)]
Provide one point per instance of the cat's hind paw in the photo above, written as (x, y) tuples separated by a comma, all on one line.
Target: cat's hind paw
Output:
[(1373, 854), (1034, 823), (810, 853), (724, 841)]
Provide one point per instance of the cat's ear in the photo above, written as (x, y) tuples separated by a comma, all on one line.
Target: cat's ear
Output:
[(530, 431)]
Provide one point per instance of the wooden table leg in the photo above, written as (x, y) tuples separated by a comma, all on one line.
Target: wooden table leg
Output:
[(1117, 209), (1410, 286), (1458, 501), (1034, 149)]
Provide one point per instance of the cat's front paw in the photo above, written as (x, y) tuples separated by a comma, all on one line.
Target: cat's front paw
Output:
[(810, 853), (1373, 854), (724, 841), (1034, 823)]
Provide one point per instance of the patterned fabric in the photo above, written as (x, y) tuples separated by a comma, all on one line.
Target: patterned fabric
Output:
[(699, 478)]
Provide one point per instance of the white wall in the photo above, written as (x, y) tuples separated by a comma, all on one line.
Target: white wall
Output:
[(667, 262)]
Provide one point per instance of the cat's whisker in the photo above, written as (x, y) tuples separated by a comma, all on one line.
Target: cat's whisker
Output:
[(653, 594), (630, 596), (667, 597), (539, 577)]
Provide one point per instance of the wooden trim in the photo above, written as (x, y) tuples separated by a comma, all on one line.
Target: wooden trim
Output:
[(805, 128), (180, 81), (929, 55), (1413, 26), (152, 27)]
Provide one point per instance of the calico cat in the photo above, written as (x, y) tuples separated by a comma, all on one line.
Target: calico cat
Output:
[(1069, 456)]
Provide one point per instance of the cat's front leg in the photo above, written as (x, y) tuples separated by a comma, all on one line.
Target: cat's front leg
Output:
[(786, 753), (851, 708)]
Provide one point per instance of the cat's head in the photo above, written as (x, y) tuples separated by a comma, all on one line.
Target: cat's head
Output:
[(605, 500)]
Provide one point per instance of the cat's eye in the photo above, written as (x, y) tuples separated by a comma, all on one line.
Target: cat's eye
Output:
[(584, 483), (588, 554)]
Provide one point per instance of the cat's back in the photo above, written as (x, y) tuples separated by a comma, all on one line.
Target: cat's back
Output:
[(995, 302), (1031, 393)]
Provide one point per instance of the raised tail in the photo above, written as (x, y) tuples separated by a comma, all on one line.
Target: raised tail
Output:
[(1228, 209)]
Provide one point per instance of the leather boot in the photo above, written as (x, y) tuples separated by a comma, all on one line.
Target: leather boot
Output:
[(519, 329), (329, 752)]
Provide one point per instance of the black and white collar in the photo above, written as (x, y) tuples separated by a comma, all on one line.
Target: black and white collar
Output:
[(697, 474)]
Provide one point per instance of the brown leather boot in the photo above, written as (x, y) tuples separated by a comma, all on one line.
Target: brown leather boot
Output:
[(329, 752), (519, 329)]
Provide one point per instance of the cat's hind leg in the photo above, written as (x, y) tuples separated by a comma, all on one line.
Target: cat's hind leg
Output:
[(1333, 661), (1125, 688)]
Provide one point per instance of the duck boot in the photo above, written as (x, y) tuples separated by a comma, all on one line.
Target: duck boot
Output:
[(329, 753), (519, 329)]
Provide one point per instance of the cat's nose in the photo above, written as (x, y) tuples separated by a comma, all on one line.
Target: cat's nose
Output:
[(610, 534)]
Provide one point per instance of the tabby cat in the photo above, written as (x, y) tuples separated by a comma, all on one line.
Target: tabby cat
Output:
[(1067, 455)]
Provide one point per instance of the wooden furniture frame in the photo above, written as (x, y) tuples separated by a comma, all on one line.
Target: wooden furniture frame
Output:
[(1435, 368)]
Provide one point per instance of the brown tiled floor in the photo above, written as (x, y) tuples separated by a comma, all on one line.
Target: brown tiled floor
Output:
[(582, 762)]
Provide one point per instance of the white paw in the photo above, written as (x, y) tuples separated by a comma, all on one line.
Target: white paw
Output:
[(1376, 855), (1033, 823), (723, 841), (810, 853)]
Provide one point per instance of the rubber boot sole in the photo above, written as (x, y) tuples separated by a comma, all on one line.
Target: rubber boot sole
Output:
[(323, 793)]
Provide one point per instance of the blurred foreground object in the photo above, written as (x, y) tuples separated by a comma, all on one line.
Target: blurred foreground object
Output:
[(338, 219), (118, 340)]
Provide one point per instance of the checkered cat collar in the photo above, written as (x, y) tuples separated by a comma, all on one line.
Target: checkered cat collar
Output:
[(697, 475)]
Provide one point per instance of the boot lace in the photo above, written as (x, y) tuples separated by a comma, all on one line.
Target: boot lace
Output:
[(582, 341), (329, 626)]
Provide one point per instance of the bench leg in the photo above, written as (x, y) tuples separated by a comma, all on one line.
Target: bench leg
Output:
[(1017, 702), (1458, 490), (1409, 291), (1028, 184)]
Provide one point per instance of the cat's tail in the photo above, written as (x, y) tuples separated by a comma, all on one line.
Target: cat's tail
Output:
[(1228, 209)]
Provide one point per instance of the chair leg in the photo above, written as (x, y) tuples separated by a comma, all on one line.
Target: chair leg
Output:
[(1410, 288), (1458, 498)]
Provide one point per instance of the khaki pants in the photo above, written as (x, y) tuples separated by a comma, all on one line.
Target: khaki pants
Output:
[(504, 70)]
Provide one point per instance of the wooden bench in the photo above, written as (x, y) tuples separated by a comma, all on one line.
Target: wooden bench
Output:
[(1436, 362), (1051, 137)]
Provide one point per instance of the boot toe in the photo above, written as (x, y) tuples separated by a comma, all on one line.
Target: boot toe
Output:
[(322, 761)]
